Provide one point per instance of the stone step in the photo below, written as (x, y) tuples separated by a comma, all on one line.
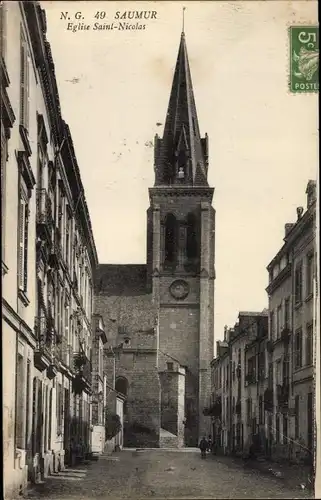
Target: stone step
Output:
[(167, 439)]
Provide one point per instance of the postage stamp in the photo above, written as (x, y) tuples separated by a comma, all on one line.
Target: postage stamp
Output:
[(304, 59)]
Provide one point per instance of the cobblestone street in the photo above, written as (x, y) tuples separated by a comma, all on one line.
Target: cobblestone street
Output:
[(162, 474)]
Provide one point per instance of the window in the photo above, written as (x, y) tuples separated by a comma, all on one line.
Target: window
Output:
[(277, 428), (249, 410), (261, 410), (46, 417), (24, 83), (170, 239), (309, 275), (278, 321), (59, 408), (68, 239), (270, 376), (272, 325), (278, 372), (23, 238), (287, 313), (285, 371), (191, 237), (67, 316), (309, 344), (298, 283), (297, 417), (4, 157), (251, 368), (310, 420), (50, 420), (261, 363), (285, 429), (298, 349)]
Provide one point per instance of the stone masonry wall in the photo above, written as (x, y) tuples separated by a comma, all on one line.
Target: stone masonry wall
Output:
[(142, 419)]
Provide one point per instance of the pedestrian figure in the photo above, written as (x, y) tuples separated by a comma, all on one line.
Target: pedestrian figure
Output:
[(203, 446), (210, 444)]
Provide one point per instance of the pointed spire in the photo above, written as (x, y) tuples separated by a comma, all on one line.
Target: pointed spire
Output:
[(183, 27), (181, 146)]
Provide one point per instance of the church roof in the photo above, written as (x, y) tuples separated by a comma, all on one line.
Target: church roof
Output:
[(181, 131), (121, 279)]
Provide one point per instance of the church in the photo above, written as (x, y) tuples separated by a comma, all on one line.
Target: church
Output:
[(159, 316)]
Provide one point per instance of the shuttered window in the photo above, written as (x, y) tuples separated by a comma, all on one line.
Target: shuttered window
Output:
[(23, 217), (24, 82)]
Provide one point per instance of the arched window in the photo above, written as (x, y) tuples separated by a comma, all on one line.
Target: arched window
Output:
[(191, 238), (121, 385), (170, 239)]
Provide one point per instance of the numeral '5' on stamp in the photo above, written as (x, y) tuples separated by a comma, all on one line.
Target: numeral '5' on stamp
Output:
[(304, 59)]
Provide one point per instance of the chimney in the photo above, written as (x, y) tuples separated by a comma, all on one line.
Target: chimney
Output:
[(288, 227), (225, 334), (311, 192), (299, 212)]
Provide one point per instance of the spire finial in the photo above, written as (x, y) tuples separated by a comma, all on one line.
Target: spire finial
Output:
[(183, 20)]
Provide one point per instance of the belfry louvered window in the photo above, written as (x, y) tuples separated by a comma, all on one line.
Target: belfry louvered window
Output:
[(24, 82), (170, 239), (191, 237)]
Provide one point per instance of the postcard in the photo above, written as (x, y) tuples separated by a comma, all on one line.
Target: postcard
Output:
[(159, 240)]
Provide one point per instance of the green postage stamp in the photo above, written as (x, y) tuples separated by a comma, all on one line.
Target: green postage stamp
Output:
[(304, 59)]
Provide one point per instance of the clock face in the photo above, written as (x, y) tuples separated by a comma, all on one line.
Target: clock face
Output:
[(179, 289)]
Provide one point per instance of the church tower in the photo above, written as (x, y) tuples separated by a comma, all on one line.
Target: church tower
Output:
[(180, 247)]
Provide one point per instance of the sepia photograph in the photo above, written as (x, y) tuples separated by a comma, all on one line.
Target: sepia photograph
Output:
[(160, 249)]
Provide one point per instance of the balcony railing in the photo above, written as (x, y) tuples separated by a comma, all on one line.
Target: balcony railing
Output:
[(56, 251), (215, 409), (82, 380), (82, 365), (44, 337), (250, 378), (44, 208)]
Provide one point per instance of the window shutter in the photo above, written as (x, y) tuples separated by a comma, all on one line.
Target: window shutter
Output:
[(22, 79), (3, 191), (25, 255), (21, 243), (27, 92)]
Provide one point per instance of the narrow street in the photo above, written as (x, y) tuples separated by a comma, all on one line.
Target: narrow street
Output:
[(162, 474)]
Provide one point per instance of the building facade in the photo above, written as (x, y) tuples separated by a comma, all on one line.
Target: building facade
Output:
[(178, 279), (268, 381), (239, 377), (48, 262), (292, 276)]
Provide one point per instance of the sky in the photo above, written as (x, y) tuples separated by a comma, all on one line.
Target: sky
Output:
[(114, 89)]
